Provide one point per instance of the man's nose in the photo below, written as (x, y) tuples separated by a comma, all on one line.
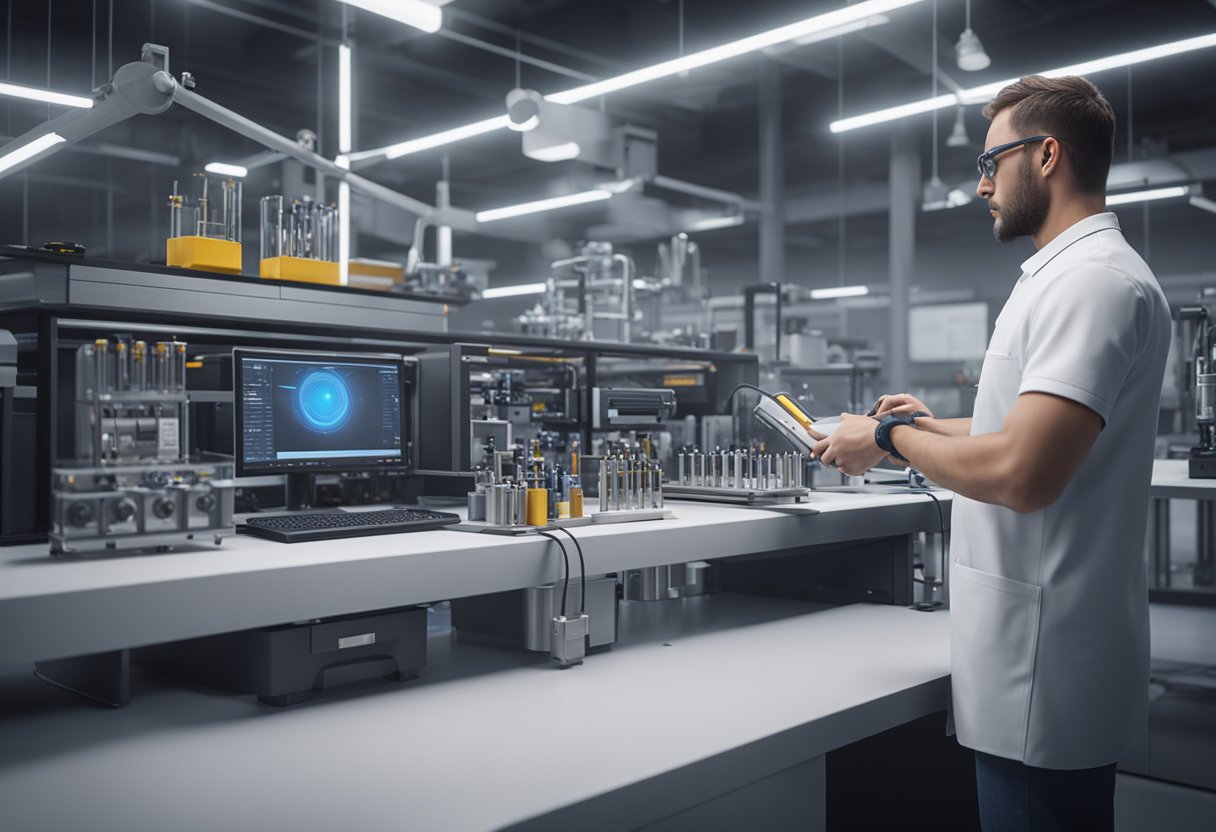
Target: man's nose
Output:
[(983, 188)]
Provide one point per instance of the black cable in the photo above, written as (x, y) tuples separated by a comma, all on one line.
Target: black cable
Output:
[(582, 567), (566, 561), (762, 392)]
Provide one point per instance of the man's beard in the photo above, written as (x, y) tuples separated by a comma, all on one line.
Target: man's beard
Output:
[(1025, 211)]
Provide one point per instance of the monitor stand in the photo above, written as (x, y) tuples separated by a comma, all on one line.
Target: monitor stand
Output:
[(301, 490)]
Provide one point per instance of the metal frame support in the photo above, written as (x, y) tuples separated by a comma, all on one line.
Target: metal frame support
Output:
[(905, 187), (772, 175)]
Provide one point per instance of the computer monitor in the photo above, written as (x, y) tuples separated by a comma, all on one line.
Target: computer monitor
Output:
[(301, 413)]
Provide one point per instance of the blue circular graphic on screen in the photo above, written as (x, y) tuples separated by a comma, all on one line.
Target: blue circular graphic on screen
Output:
[(323, 401)]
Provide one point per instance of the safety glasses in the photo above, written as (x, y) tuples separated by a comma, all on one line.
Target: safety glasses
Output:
[(986, 163)]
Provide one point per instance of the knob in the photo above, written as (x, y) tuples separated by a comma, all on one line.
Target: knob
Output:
[(123, 511), (163, 507), (205, 502), (80, 514)]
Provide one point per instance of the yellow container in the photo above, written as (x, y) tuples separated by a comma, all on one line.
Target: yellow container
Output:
[(206, 254), (538, 507), (576, 501), (302, 269)]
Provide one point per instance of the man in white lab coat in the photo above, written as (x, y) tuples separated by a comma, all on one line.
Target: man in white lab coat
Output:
[(1049, 607)]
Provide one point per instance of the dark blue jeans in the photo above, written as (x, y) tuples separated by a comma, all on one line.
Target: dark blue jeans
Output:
[(1015, 797)]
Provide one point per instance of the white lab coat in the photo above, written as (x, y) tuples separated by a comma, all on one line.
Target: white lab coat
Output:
[(1049, 610)]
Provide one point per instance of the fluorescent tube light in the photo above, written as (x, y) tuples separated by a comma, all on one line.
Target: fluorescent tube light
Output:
[(223, 169), (834, 22), (838, 31), (30, 149), (892, 113), (344, 99), (541, 205), (456, 134), (513, 291), (839, 292), (45, 96), (977, 95), (710, 223), (1203, 203), (343, 223), (792, 31), (414, 13), (1147, 196)]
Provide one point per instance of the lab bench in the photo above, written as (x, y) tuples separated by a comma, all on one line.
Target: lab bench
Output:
[(708, 708)]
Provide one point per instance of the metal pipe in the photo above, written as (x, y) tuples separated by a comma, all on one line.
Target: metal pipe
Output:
[(626, 293)]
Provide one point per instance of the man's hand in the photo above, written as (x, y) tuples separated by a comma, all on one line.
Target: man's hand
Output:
[(851, 448), (900, 404)]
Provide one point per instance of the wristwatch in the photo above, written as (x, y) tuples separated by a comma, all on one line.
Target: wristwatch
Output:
[(882, 431)]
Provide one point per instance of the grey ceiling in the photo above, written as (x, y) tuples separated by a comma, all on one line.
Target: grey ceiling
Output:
[(274, 61)]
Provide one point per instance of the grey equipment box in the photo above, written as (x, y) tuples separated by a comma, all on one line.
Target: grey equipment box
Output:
[(522, 618), (281, 664)]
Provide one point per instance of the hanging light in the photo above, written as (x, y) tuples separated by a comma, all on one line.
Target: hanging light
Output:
[(969, 51), (958, 137)]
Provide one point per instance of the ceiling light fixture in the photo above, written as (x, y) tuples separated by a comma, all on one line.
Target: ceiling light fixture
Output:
[(1203, 203), (838, 31), (30, 149), (969, 51), (772, 37), (977, 95), (224, 169), (555, 152), (45, 96), (513, 291), (839, 292), (1147, 196), (523, 110), (553, 203), (416, 13), (345, 116), (456, 134), (793, 31), (958, 137), (710, 223)]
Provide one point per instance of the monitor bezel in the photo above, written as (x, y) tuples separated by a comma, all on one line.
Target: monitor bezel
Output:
[(318, 466)]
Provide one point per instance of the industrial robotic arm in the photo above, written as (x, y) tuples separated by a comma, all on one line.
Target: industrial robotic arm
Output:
[(146, 87)]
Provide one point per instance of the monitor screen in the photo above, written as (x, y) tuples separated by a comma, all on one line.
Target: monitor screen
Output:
[(301, 412)]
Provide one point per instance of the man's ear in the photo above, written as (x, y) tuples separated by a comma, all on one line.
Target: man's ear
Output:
[(1051, 155)]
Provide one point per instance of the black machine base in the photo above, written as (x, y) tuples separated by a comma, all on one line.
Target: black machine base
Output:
[(1202, 467), (281, 665)]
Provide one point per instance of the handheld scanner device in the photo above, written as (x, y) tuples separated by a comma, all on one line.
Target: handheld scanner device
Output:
[(782, 414)]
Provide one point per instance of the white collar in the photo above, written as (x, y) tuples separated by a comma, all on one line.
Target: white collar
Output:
[(1075, 232)]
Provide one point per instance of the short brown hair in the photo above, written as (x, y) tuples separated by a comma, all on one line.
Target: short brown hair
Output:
[(1074, 112)]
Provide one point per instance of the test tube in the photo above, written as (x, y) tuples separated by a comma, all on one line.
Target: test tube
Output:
[(272, 237), (101, 365), (139, 366), (603, 484), (232, 209), (175, 212), (122, 367), (179, 367), (161, 372)]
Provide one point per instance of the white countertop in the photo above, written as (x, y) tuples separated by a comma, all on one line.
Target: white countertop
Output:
[(55, 607), (705, 694)]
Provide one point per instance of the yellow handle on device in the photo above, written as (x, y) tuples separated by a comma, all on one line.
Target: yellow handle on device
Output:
[(794, 410)]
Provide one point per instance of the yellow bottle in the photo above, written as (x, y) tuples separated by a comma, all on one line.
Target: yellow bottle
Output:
[(538, 507)]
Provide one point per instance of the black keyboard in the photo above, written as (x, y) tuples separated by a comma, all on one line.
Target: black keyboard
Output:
[(328, 525)]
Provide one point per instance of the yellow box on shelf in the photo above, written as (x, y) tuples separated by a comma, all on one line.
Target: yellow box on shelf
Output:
[(364, 273), (303, 269), (207, 254)]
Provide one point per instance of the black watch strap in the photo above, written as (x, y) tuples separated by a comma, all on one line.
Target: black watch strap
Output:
[(882, 431)]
